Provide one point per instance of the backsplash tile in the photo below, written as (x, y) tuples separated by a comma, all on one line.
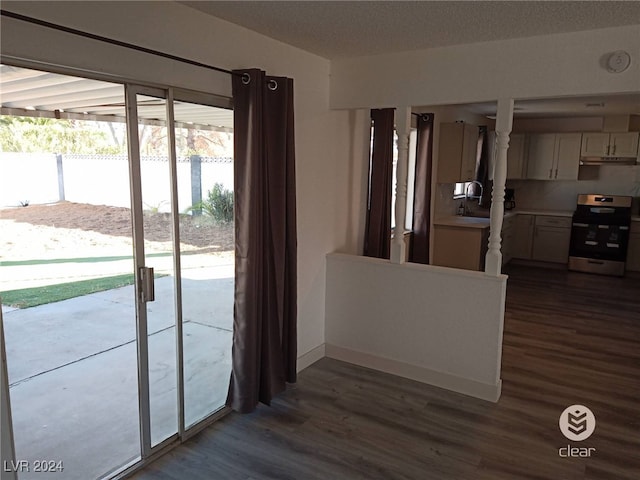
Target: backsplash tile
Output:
[(562, 194)]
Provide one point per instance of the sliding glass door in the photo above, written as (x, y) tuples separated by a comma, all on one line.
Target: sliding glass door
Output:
[(182, 192), (66, 287), (116, 273)]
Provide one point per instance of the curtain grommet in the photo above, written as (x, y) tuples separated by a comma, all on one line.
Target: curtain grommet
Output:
[(246, 78), (272, 85)]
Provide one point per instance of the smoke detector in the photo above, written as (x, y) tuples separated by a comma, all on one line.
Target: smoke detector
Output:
[(618, 61)]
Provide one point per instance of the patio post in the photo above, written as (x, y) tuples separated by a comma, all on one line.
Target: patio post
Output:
[(60, 177), (196, 184)]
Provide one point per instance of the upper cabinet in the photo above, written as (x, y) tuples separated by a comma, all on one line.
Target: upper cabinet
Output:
[(458, 148), (516, 156), (554, 156), (623, 144), (594, 144)]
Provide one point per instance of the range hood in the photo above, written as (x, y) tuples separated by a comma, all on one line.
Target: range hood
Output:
[(607, 161)]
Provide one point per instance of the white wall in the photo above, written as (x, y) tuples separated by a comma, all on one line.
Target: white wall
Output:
[(352, 190), (322, 136), (535, 67), (410, 320)]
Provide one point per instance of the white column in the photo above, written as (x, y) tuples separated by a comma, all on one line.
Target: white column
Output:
[(403, 129), (504, 122)]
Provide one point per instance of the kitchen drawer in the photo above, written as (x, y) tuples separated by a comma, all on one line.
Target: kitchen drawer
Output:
[(553, 221)]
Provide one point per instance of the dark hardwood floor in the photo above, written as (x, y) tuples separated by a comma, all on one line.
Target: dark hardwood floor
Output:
[(569, 338)]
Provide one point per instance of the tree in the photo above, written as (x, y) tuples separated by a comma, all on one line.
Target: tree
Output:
[(49, 135)]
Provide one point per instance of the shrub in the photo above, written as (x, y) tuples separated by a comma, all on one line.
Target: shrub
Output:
[(218, 204)]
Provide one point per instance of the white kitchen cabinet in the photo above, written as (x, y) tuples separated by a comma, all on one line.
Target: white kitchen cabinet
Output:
[(551, 239), (621, 144), (567, 161), (516, 157), (633, 253), (554, 156), (542, 148), (508, 229), (522, 239), (457, 152), (624, 144), (594, 144)]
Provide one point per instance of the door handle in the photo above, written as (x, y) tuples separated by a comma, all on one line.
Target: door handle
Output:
[(614, 150), (608, 149), (147, 285), (556, 173)]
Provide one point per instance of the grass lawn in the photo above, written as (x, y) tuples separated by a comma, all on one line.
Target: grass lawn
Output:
[(31, 297)]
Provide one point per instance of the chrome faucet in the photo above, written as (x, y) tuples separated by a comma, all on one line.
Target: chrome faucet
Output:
[(466, 194)]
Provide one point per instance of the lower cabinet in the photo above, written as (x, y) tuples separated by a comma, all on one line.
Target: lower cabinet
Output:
[(508, 228), (544, 238), (460, 247), (522, 236), (551, 239), (633, 254)]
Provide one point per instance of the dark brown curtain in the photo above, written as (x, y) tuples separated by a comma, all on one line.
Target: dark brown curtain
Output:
[(482, 168), (419, 252), (265, 308), (377, 236)]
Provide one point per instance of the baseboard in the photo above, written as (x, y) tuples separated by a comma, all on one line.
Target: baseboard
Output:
[(447, 381), (312, 356)]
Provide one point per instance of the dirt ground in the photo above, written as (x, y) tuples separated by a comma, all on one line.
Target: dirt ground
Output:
[(68, 230)]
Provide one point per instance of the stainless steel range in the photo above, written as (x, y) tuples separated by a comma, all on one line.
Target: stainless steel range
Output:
[(600, 234)]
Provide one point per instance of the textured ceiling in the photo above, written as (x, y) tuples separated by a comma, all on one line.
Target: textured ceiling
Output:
[(337, 29)]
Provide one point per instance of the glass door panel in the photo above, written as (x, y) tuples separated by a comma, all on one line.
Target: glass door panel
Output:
[(182, 191), (157, 223), (68, 300), (204, 142)]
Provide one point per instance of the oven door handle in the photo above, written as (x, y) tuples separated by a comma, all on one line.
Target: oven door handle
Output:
[(584, 225)]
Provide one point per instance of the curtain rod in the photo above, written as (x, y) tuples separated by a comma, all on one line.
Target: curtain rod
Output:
[(119, 43)]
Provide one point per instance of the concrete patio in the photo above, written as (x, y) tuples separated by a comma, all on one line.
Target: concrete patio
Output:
[(72, 369)]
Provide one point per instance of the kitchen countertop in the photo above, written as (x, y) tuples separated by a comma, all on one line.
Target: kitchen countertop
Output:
[(483, 222), (635, 218), (461, 221), (552, 213)]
